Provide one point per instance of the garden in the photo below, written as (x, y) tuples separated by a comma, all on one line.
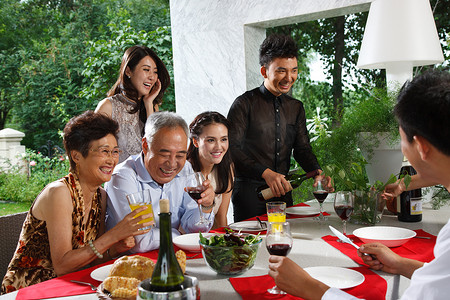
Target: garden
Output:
[(64, 58)]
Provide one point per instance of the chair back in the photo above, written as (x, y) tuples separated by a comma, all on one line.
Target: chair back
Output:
[(10, 228)]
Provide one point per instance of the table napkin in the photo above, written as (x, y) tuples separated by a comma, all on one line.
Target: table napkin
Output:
[(415, 248), (62, 287), (374, 287)]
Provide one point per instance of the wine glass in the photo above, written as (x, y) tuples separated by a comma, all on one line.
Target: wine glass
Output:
[(320, 192), (195, 187), (278, 242), (343, 205)]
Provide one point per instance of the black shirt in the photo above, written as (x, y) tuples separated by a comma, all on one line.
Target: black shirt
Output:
[(264, 131)]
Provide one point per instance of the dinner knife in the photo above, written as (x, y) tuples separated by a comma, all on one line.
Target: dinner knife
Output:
[(345, 239)]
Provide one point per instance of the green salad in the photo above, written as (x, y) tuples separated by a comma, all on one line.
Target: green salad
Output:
[(230, 253)]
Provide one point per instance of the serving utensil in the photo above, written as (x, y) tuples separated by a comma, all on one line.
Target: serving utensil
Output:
[(345, 239)]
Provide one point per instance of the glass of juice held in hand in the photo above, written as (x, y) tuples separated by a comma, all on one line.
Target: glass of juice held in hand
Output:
[(139, 199)]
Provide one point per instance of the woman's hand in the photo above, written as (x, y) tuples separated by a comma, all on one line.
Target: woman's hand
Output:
[(129, 225), (156, 88), (207, 196), (122, 246)]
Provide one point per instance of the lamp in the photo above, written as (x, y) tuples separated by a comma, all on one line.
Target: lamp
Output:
[(399, 35)]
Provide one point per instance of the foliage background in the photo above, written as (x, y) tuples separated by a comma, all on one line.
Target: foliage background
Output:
[(58, 58)]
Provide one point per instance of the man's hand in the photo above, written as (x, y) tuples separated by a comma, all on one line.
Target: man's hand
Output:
[(292, 279), (277, 183), (387, 261)]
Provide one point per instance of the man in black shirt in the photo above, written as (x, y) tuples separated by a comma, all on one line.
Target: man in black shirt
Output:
[(267, 125)]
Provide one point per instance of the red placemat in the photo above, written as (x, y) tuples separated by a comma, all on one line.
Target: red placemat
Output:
[(62, 287), (374, 287), (415, 248)]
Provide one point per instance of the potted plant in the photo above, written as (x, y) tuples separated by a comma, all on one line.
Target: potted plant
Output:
[(366, 125), (368, 205)]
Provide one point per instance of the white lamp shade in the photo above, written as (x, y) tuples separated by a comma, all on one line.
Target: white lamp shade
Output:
[(400, 33)]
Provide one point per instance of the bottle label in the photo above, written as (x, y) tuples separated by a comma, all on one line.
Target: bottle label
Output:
[(267, 193), (416, 206)]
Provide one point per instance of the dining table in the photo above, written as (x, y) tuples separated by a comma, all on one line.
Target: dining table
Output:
[(312, 246)]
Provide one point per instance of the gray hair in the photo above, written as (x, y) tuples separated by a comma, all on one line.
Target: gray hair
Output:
[(163, 119)]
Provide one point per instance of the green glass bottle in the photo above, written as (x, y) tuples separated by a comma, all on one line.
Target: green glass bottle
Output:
[(167, 275)]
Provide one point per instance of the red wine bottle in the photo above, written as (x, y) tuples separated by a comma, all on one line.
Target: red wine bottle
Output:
[(265, 193), (410, 206)]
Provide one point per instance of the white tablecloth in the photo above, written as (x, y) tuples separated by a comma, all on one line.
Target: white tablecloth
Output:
[(308, 250)]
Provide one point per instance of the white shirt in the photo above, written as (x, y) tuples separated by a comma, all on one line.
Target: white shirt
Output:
[(432, 281), (131, 176)]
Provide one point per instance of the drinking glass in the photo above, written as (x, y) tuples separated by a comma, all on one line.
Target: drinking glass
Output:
[(278, 242), (194, 187), (343, 205), (142, 198), (276, 211), (320, 192)]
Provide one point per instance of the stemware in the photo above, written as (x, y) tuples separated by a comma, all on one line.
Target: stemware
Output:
[(343, 206), (194, 187), (320, 192), (278, 242)]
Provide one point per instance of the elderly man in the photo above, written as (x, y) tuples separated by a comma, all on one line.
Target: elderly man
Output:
[(162, 168)]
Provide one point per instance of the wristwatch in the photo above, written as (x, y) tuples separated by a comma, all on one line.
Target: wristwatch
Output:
[(210, 206)]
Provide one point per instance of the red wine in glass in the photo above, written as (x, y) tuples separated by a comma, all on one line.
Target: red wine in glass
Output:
[(279, 249), (195, 192), (320, 195), (278, 242), (343, 211)]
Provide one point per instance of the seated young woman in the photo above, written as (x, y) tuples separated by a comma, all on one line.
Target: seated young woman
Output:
[(65, 226), (208, 153)]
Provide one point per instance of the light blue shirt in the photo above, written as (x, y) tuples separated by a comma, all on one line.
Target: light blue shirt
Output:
[(131, 176)]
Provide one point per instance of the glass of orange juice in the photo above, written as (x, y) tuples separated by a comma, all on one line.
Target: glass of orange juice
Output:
[(276, 212), (139, 199)]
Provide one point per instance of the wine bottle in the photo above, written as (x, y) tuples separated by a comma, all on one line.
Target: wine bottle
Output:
[(265, 193), (410, 202), (167, 275)]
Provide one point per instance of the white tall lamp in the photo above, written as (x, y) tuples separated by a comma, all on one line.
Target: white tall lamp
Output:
[(399, 35)]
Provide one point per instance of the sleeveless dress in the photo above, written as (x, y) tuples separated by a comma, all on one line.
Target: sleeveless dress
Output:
[(218, 197), (32, 262), (130, 126)]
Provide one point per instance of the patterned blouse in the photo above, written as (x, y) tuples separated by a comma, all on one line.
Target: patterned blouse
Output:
[(130, 126), (32, 262)]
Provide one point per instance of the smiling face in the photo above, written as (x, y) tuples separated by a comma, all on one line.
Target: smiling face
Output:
[(144, 75), (96, 168), (212, 144), (280, 75), (164, 158)]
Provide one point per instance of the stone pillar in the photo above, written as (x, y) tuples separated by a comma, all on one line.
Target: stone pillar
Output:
[(216, 45), (10, 149)]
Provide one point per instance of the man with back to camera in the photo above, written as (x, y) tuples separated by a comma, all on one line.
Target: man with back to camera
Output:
[(266, 125), (162, 168), (423, 113)]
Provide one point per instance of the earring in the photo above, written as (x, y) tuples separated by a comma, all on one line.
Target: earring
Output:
[(128, 76)]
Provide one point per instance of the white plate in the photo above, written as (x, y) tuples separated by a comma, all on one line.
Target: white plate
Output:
[(189, 241), (387, 235), (247, 226), (101, 273), (337, 277), (302, 210)]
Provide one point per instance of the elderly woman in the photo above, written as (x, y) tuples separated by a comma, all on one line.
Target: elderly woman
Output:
[(65, 226)]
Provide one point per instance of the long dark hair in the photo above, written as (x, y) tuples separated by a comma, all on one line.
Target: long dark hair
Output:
[(225, 167), (123, 85)]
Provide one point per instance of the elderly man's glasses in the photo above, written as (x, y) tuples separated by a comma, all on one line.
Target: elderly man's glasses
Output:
[(106, 152)]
